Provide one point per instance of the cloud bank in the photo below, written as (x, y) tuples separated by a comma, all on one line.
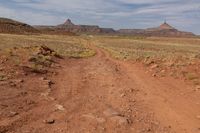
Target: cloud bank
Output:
[(183, 14)]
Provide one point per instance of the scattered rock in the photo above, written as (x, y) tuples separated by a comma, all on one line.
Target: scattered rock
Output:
[(48, 83), (3, 83), (116, 68), (154, 66), (15, 83), (131, 90), (51, 98), (111, 112), (198, 117), (162, 71), (12, 114), (30, 102), (120, 120), (45, 94), (57, 65), (44, 50), (149, 130), (123, 95), (1, 69), (91, 116), (28, 70), (4, 105), (19, 81), (154, 75), (49, 121), (23, 93), (59, 107), (12, 84), (148, 62), (110, 91), (197, 87), (43, 78), (169, 64), (100, 120)]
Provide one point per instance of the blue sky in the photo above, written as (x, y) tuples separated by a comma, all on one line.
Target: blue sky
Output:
[(182, 14)]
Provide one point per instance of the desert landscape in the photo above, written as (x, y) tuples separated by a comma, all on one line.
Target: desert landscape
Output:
[(73, 78)]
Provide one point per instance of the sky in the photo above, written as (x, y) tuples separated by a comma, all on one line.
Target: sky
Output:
[(118, 14)]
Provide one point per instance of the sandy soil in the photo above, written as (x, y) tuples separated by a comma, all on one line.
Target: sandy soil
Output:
[(97, 95)]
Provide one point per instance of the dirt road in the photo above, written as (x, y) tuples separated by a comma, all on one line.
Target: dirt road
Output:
[(101, 94)]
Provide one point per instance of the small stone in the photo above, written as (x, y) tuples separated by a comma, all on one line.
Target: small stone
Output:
[(43, 78), (103, 129), (197, 87), (120, 120), (170, 64), (198, 117), (100, 120), (59, 107), (148, 62), (149, 130), (122, 95), (111, 92), (12, 114), (12, 84), (30, 102), (51, 98), (1, 69), (91, 116), (49, 121), (162, 71), (23, 93), (130, 90), (3, 83), (49, 82), (111, 112), (154, 66), (45, 94), (153, 75), (19, 81)]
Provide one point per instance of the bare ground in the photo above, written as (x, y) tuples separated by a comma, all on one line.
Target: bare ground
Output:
[(101, 94)]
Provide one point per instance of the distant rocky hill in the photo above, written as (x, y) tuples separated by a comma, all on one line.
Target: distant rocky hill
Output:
[(163, 30), (68, 26), (12, 26), (52, 30)]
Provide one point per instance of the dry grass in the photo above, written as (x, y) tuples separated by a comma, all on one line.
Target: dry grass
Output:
[(70, 46), (174, 56), (22, 54), (139, 48), (192, 76)]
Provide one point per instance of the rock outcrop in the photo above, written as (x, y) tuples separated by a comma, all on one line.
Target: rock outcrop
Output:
[(164, 29), (68, 26), (15, 27)]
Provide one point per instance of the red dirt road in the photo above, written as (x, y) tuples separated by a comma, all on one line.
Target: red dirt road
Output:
[(101, 94)]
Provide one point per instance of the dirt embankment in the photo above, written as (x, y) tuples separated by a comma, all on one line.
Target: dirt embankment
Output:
[(24, 80)]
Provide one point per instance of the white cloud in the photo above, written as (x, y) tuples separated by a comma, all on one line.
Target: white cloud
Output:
[(107, 13), (145, 1)]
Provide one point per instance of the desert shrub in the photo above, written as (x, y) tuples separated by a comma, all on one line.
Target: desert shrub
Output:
[(191, 76), (2, 77)]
